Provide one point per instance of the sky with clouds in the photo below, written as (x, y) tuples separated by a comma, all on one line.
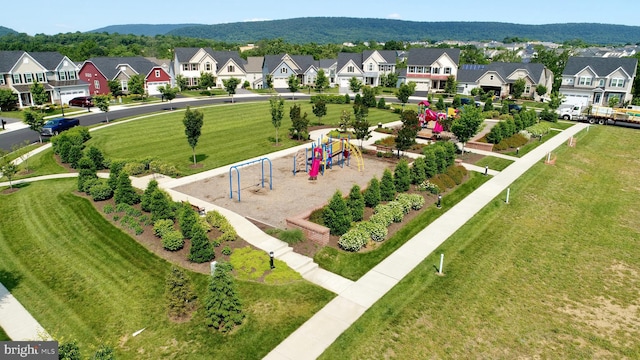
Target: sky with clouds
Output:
[(56, 19)]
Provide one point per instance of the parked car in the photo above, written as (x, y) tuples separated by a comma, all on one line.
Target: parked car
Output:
[(81, 101), (515, 107), (55, 126), (467, 101)]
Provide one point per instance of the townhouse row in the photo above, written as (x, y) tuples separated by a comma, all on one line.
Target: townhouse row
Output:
[(592, 80)]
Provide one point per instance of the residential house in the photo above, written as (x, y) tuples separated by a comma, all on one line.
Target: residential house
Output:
[(429, 68), (280, 67), (191, 62), (99, 70), (19, 70), (596, 80), (499, 77), (253, 70), (368, 67), (349, 65), (329, 66)]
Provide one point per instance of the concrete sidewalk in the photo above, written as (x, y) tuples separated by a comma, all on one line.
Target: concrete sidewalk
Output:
[(16, 321), (314, 336)]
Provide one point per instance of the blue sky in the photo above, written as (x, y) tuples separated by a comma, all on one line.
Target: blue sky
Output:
[(63, 17)]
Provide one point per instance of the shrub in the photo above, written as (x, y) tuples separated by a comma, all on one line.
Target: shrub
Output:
[(108, 209), (437, 182), (402, 176), (456, 173), (96, 157), (382, 214), (116, 217), (353, 240), (404, 200), (336, 215), (161, 206), (355, 203), (372, 193), (376, 230), (179, 294), (101, 191), (134, 168), (188, 220), (215, 219), (381, 104), (418, 171), (201, 250), (228, 232), (223, 308), (226, 250), (417, 201), (397, 211), (429, 186), (125, 193), (291, 236), (115, 168), (162, 226), (145, 199), (446, 180), (122, 207), (387, 187), (172, 240), (216, 243)]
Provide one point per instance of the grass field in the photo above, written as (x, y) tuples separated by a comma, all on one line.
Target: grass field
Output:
[(85, 280), (554, 274), (38, 165), (230, 133)]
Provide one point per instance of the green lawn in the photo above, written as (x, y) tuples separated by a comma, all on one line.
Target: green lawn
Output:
[(37, 165), (230, 133), (554, 274), (3, 335), (494, 163), (83, 279)]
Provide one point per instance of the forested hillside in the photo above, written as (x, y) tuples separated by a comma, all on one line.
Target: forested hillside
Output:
[(142, 29), (5, 31)]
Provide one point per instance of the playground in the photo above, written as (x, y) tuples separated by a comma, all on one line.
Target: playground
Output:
[(288, 194)]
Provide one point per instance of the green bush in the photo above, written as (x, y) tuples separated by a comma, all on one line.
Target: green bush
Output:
[(446, 180), (125, 193), (381, 104), (188, 220), (134, 168), (172, 240), (122, 207), (387, 187), (226, 250), (417, 201), (402, 176), (397, 211), (382, 214), (291, 236), (353, 240), (336, 215), (215, 219), (145, 199), (108, 209), (418, 171), (456, 173), (162, 207), (355, 203), (328, 99), (438, 183), (405, 200), (201, 250), (376, 230), (101, 191), (163, 226), (429, 186), (216, 243), (96, 157), (228, 233)]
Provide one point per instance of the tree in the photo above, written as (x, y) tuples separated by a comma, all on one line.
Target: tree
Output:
[(355, 203), (319, 109), (293, 83), (269, 81), (613, 101), (162, 207), (8, 99), (136, 85), (102, 102), (23, 155), (182, 82), (440, 104), (554, 61), (404, 92), (223, 306), (418, 171), (125, 193), (406, 136), (115, 168), (556, 100), (193, 120), (35, 121), (541, 90), (372, 193), (179, 294), (231, 85), (360, 124), (467, 125), (69, 351), (39, 94), (488, 105), (277, 113), (321, 81), (206, 81), (402, 176), (86, 173), (299, 123), (188, 220), (201, 249), (518, 88), (7, 167), (451, 86), (145, 200), (355, 85), (336, 215), (387, 186), (114, 87), (168, 93), (369, 96), (345, 121)]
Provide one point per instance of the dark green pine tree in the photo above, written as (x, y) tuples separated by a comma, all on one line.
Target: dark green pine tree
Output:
[(161, 206), (179, 294), (372, 193), (223, 306), (125, 193), (355, 203), (201, 249), (418, 171), (336, 215), (145, 202), (387, 187), (402, 176), (188, 220)]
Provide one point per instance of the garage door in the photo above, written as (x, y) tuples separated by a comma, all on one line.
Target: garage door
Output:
[(152, 87), (65, 96)]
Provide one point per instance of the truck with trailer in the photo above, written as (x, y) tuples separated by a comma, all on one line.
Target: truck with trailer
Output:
[(602, 115)]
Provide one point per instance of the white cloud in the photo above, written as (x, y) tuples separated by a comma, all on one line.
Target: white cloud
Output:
[(394, 16), (255, 19)]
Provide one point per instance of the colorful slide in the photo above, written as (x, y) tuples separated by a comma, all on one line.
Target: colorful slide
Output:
[(315, 165)]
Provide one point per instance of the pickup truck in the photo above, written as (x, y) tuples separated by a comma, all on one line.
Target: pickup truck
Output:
[(55, 126)]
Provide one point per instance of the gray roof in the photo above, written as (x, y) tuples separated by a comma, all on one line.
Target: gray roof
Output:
[(388, 55), (184, 55), (327, 63), (8, 59), (470, 73), (254, 64), (344, 58), (109, 66), (427, 56), (49, 59), (602, 66), (303, 62)]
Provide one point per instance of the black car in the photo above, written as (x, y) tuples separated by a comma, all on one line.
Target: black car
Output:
[(515, 108), (81, 101)]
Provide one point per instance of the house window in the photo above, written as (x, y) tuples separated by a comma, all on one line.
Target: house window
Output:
[(1, 80), (370, 67), (616, 82), (447, 70), (412, 69), (124, 84), (429, 70), (491, 77), (96, 84), (601, 82), (194, 67), (72, 75), (28, 78), (62, 76), (350, 69), (527, 89), (40, 77), (185, 67), (207, 66), (435, 70), (157, 72), (230, 69), (283, 70), (17, 79), (584, 80)]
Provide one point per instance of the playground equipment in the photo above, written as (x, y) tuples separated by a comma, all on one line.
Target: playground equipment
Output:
[(425, 114), (325, 153), (235, 167)]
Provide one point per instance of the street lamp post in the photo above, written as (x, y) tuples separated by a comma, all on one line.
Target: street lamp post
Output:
[(271, 260)]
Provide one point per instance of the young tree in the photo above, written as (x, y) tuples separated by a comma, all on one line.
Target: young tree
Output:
[(518, 88), (125, 193), (35, 121), (355, 203), (467, 125), (269, 81), (418, 171), (360, 124), (182, 82), (179, 294), (387, 186), (206, 81), (162, 207), (319, 109), (355, 85), (336, 215), (488, 105), (8, 99), (451, 86), (406, 136), (193, 120), (440, 104), (188, 220), (369, 96), (86, 173), (277, 113), (293, 83), (231, 85), (402, 176), (102, 102), (201, 249), (299, 123), (136, 85), (115, 168), (321, 81), (114, 87), (7, 167), (541, 90), (404, 92), (223, 306), (145, 199), (169, 93), (39, 94), (372, 193), (345, 121)]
